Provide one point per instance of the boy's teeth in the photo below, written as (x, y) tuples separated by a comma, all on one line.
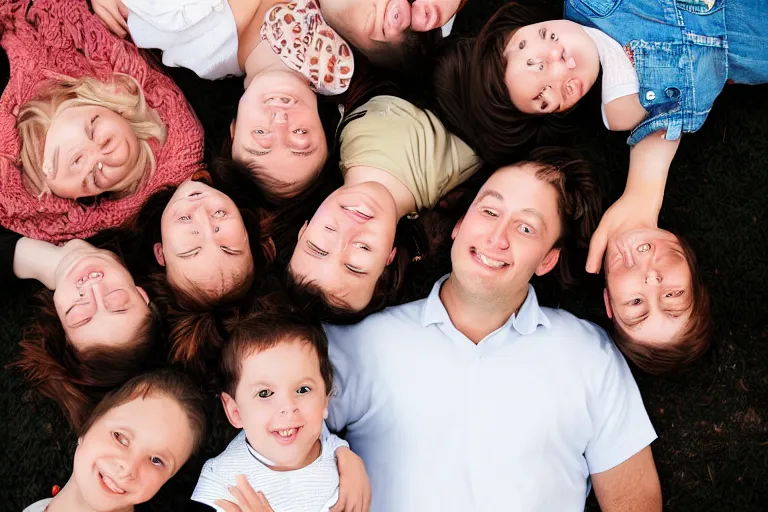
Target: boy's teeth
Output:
[(287, 433), (488, 261)]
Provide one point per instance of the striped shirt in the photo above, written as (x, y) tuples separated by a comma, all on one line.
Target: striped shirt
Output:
[(314, 488)]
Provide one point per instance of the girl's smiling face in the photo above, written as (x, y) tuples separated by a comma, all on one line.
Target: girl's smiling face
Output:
[(131, 451), (550, 66)]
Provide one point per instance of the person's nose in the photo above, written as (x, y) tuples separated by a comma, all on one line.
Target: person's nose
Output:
[(652, 277), (125, 467), (288, 405), (498, 237), (279, 116)]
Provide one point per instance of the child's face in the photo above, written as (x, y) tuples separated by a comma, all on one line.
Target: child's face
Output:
[(89, 150), (97, 300), (278, 129), (205, 242), (347, 244), (131, 451), (550, 66), (281, 402), (648, 285)]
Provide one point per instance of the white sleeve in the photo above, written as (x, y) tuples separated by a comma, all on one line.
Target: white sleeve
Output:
[(172, 15), (330, 441), (352, 394), (620, 423), (210, 487)]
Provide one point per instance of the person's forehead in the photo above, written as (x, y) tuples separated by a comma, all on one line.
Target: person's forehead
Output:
[(514, 181)]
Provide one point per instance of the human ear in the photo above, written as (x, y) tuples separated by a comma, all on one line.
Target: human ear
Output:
[(159, 256), (391, 256), (303, 229), (232, 129), (607, 300), (325, 410), (143, 294), (231, 410), (549, 262), (456, 228)]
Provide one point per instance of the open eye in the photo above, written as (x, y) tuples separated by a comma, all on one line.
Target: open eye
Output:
[(525, 229), (259, 132), (677, 293), (303, 389), (120, 438), (489, 212), (265, 393), (361, 245), (219, 214), (157, 461), (300, 131), (185, 218), (635, 302)]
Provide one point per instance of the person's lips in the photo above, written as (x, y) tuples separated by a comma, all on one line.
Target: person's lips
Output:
[(397, 18), (425, 17)]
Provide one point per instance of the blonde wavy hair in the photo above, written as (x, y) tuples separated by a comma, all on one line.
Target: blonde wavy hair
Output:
[(122, 94)]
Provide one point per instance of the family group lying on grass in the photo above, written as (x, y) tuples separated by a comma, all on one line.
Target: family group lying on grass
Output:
[(269, 275)]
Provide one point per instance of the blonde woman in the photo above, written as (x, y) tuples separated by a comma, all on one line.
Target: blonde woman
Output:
[(89, 129), (84, 138)]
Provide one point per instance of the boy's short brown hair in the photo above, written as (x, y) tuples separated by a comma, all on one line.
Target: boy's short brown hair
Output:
[(693, 341), (271, 322)]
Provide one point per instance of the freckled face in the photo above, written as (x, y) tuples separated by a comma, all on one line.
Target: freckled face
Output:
[(550, 66)]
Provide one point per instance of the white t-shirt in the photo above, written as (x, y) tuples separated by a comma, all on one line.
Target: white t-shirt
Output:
[(619, 75), (200, 35), (38, 506), (314, 488), (517, 422)]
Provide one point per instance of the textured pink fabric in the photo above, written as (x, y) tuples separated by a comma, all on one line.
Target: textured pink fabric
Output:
[(47, 37)]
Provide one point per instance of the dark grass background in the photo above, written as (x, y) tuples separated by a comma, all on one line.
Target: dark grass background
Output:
[(712, 451)]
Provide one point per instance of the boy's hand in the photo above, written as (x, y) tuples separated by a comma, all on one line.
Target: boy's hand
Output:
[(354, 487), (247, 499), (114, 14), (627, 213)]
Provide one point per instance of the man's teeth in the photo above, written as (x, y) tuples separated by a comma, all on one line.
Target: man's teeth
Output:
[(286, 433), (489, 262), (112, 485)]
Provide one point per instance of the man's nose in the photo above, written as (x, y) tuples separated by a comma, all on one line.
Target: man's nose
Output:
[(498, 238)]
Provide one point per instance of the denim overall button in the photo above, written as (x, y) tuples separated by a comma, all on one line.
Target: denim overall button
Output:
[(650, 96), (672, 92)]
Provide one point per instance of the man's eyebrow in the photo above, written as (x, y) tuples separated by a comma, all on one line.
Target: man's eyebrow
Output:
[(490, 193)]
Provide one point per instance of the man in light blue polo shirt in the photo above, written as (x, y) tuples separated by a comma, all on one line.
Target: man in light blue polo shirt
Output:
[(478, 399)]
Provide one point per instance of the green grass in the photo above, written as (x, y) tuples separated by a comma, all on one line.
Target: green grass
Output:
[(712, 451)]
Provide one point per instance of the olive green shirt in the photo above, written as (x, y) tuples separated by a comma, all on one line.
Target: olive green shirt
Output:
[(412, 144)]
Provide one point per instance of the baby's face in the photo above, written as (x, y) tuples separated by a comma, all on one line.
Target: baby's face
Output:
[(281, 402), (550, 66)]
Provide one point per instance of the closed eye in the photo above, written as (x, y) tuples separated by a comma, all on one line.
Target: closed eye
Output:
[(233, 252), (255, 152), (305, 153), (190, 253), (316, 250), (489, 212), (355, 270)]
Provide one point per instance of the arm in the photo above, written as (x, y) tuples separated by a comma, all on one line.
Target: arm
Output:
[(640, 203), (632, 486), (354, 486)]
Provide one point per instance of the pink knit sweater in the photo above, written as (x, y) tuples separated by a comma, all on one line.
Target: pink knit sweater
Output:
[(47, 37)]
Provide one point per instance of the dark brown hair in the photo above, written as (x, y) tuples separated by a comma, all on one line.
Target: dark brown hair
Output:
[(471, 94), (166, 382), (413, 244), (406, 56), (694, 339), (272, 321), (78, 379), (579, 199)]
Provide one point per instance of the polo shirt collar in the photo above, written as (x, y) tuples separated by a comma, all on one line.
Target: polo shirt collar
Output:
[(525, 322)]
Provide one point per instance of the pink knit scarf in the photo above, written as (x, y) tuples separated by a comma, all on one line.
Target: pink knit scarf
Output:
[(47, 37)]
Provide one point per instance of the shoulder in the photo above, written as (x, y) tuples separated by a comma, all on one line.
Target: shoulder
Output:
[(38, 506), (229, 462), (383, 324), (570, 330)]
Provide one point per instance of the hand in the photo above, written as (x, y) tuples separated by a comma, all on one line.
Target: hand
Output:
[(354, 486), (247, 499), (114, 14), (627, 213)]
